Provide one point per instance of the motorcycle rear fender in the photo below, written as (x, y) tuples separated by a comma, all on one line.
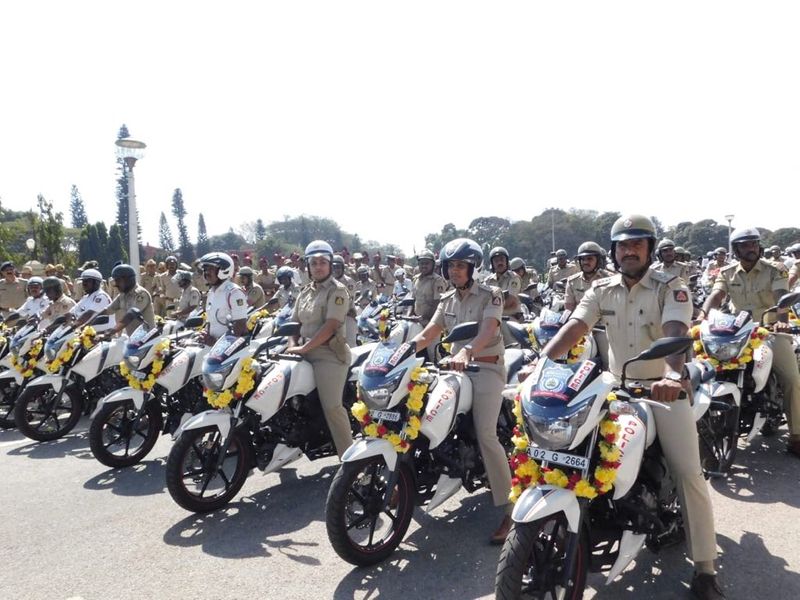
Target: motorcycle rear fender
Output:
[(11, 374), (544, 500), (210, 418), (366, 448), (54, 381), (121, 395)]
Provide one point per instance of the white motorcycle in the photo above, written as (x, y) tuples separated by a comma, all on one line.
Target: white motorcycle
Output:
[(22, 358), (589, 477)]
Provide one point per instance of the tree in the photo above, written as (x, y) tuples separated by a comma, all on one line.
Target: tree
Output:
[(202, 236), (488, 230), (227, 242), (165, 235), (185, 246), (260, 231), (115, 251), (77, 209), (48, 228)]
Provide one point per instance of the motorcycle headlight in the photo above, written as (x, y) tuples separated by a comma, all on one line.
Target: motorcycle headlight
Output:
[(724, 349), (216, 379), (380, 395), (557, 432), (50, 353), (133, 361)]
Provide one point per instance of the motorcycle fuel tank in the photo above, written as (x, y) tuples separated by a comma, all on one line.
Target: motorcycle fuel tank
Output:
[(451, 397), (187, 363), (636, 434), (282, 380)]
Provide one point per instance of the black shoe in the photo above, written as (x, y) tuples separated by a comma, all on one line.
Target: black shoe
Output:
[(706, 587)]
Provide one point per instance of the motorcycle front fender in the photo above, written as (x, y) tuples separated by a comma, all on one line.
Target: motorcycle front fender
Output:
[(210, 418), (366, 448), (544, 500), (54, 381), (126, 393)]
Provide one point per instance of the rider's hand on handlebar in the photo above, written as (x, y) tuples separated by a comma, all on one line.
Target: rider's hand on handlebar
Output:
[(781, 327), (460, 361), (668, 390), (299, 350)]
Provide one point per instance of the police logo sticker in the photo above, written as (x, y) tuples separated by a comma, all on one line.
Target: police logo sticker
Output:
[(681, 295), (339, 300), (496, 300), (239, 302), (551, 384), (627, 223)]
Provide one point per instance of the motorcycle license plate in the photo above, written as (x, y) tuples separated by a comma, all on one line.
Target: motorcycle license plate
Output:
[(560, 458), (140, 375), (385, 415)]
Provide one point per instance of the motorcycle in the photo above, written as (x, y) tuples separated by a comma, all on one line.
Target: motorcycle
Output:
[(22, 356), (267, 415), (419, 448), (744, 397), (619, 493), (78, 370)]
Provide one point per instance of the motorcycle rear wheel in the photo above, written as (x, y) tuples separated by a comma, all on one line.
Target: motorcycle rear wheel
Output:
[(192, 469), (42, 415), (718, 433), (532, 561), (354, 511), (117, 427)]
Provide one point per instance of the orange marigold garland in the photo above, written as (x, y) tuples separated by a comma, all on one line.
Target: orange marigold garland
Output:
[(383, 325), (529, 473), (757, 337), (26, 364)]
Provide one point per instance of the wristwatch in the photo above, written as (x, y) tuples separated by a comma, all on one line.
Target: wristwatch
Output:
[(673, 376), (468, 348)]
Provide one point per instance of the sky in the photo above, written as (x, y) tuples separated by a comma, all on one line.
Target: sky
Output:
[(396, 118)]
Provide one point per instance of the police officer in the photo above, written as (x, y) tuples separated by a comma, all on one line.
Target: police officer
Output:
[(225, 301), (198, 280), (131, 295), (350, 326), (720, 259), (366, 288), (754, 284), (60, 303), (562, 269), (669, 262), (526, 276), (169, 292), (321, 309), (638, 306), (401, 286), (36, 302), (13, 291), (149, 279), (590, 257), (773, 255), (288, 290), (190, 296), (794, 271), (472, 301), (428, 287), (93, 301), (505, 279), (266, 278), (253, 291)]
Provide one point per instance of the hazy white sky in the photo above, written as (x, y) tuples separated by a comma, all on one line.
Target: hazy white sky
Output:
[(395, 118)]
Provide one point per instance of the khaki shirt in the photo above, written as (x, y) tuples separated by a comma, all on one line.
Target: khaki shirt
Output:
[(578, 285), (507, 282), (168, 288), (634, 318), (200, 282), (56, 309), (752, 291), (266, 279), (428, 291), (150, 283), (557, 273), (255, 296), (112, 288), (778, 264), (350, 284), (283, 295), (677, 269), (139, 298), (319, 302), (480, 302), (190, 298), (531, 276), (12, 295), (368, 290)]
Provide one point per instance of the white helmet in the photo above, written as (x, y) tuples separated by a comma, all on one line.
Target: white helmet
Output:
[(91, 274), (318, 248), (222, 261), (399, 271)]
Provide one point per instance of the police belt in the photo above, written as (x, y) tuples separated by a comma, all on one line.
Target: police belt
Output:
[(485, 359)]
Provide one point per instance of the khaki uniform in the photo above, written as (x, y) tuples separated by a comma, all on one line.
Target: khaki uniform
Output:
[(482, 302), (556, 273), (530, 276), (190, 299), (68, 286), (200, 283), (150, 283), (368, 290), (266, 279), (428, 291), (255, 296), (578, 285), (507, 282), (634, 318), (350, 325), (56, 309), (136, 298), (713, 269), (169, 292), (284, 295), (383, 277), (755, 292), (317, 303), (778, 264), (676, 269), (112, 288), (12, 295)]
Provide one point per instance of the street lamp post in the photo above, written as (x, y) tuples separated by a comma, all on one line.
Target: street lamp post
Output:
[(30, 244), (130, 151), (729, 218)]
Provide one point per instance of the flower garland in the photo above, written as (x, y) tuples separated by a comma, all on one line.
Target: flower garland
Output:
[(27, 363), (256, 317), (574, 354), (528, 473), (87, 336), (757, 337), (417, 388), (158, 364), (383, 325), (245, 383)]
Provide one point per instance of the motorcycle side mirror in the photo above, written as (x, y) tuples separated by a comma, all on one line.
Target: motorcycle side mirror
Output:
[(58, 321), (134, 313), (193, 322), (531, 286), (14, 316), (169, 307), (289, 329), (102, 319), (788, 300), (405, 302), (465, 331), (661, 348)]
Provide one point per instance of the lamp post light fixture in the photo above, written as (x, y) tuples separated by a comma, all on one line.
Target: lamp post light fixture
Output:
[(130, 151), (30, 244), (729, 218)]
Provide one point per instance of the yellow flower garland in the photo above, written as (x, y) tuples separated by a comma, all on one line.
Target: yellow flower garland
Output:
[(158, 364), (245, 383), (417, 389), (85, 339), (255, 317), (383, 325), (528, 473), (757, 337), (27, 363)]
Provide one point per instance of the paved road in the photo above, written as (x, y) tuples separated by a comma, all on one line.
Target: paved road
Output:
[(75, 529)]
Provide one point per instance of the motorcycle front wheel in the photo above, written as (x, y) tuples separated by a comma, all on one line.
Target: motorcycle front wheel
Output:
[(533, 558), (361, 530), (718, 433), (120, 437), (42, 415), (8, 396), (195, 478)]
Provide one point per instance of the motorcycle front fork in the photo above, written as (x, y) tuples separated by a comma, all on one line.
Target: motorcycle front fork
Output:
[(573, 544)]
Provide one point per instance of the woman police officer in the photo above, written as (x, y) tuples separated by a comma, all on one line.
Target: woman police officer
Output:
[(472, 301), (321, 308)]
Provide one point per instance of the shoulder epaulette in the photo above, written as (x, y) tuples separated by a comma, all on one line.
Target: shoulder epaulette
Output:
[(448, 293), (662, 276), (603, 281)]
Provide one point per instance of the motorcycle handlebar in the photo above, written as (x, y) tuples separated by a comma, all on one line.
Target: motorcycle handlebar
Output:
[(295, 357)]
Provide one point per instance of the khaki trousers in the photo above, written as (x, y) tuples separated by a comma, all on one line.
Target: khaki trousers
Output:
[(784, 364), (487, 385), (678, 436), (330, 375)]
